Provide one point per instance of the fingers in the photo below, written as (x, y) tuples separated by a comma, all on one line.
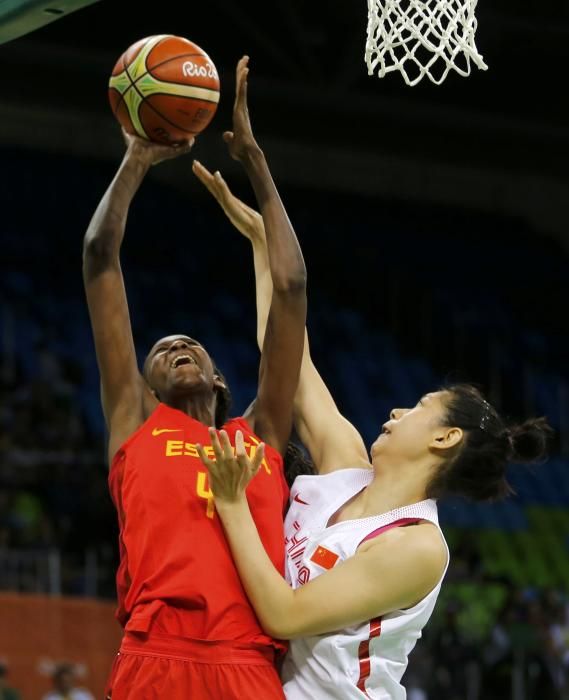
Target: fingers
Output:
[(221, 445), (217, 186), (242, 63), (239, 443), (258, 458), (201, 172), (159, 150), (217, 449), (240, 452), (248, 467), (242, 94), (241, 71), (241, 87), (204, 458), (221, 185), (226, 445), (180, 148), (205, 177), (186, 146), (223, 449), (228, 136)]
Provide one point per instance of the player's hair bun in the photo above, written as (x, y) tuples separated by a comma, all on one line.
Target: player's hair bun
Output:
[(529, 440)]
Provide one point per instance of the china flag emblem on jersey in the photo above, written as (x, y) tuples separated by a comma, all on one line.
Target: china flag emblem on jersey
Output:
[(324, 558)]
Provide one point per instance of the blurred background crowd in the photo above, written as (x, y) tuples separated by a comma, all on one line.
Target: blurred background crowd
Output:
[(436, 241), (385, 327)]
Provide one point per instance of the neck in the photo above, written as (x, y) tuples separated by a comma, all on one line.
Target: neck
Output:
[(201, 407), (392, 488)]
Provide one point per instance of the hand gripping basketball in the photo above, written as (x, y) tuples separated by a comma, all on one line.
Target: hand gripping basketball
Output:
[(232, 470), (152, 153), (241, 141)]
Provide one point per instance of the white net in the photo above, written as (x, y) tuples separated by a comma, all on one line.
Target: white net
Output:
[(422, 38)]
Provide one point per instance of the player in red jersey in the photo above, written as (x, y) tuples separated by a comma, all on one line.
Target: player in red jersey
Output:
[(189, 629)]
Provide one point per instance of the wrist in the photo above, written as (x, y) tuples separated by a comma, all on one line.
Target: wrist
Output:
[(252, 155), (229, 510), (256, 233), (137, 157)]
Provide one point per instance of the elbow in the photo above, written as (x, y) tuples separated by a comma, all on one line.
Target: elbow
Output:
[(98, 250), (286, 624), (292, 284), (280, 629)]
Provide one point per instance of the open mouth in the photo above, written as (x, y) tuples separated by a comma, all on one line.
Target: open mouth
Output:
[(385, 430), (182, 360)]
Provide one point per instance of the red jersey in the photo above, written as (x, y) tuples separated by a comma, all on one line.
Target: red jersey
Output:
[(176, 572)]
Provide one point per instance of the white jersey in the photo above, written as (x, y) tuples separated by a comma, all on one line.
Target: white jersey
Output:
[(367, 660)]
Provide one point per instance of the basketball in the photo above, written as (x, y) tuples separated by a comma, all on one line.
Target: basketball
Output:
[(164, 88)]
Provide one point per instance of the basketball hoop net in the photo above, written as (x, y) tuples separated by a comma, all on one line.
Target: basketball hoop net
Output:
[(422, 38)]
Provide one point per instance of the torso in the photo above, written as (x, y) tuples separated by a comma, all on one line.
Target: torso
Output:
[(176, 574), (367, 660)]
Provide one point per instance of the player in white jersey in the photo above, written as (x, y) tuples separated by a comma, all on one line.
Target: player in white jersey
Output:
[(365, 557)]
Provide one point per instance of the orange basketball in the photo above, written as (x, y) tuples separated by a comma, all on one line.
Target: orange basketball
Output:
[(164, 88)]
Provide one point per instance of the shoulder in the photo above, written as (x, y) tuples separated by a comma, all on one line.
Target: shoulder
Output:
[(418, 548), (123, 435), (118, 442), (232, 425), (246, 426), (238, 423)]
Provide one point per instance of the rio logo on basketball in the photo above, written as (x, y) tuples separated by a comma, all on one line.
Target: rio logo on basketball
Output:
[(175, 93), (191, 69)]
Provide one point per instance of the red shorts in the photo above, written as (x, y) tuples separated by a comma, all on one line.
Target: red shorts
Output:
[(158, 666)]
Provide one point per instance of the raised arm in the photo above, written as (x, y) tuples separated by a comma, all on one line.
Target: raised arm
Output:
[(123, 390), (271, 413), (333, 442)]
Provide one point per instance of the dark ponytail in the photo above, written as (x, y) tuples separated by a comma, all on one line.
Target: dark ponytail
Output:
[(296, 463), (476, 469), (528, 441)]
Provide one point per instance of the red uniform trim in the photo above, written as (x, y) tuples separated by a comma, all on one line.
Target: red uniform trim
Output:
[(398, 523), (375, 624), (363, 653)]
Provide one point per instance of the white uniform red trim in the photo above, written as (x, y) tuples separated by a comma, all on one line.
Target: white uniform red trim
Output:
[(367, 660)]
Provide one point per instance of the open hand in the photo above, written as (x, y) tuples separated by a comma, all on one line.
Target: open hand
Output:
[(231, 472), (246, 220), (240, 141), (152, 153)]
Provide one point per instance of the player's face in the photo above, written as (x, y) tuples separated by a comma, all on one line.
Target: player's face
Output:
[(178, 364), (411, 433)]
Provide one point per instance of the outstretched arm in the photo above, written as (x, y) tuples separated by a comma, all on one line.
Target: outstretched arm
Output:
[(122, 386), (250, 223), (271, 413), (333, 442), (392, 572)]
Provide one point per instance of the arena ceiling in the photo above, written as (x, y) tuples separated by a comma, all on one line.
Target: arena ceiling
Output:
[(496, 140), (320, 45)]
